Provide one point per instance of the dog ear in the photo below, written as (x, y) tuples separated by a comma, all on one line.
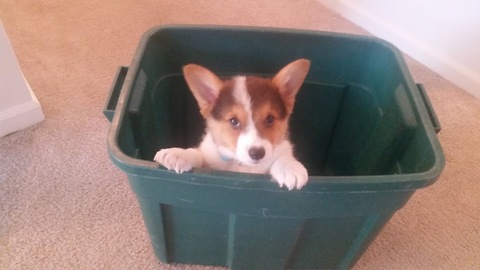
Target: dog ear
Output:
[(289, 80), (204, 84)]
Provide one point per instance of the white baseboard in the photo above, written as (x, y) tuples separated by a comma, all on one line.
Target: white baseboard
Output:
[(439, 61), (21, 116)]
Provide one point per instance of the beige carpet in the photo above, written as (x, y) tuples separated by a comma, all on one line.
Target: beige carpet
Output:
[(64, 205)]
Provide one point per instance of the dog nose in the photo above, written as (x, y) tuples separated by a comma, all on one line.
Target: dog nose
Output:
[(256, 153)]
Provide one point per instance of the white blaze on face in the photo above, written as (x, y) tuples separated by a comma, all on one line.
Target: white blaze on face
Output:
[(249, 141)]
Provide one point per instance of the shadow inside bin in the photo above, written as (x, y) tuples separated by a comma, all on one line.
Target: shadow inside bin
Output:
[(337, 130)]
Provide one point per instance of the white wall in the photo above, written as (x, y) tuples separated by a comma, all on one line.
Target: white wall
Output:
[(19, 108), (442, 34)]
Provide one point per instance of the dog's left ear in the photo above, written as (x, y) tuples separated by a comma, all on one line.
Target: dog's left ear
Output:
[(289, 80), (205, 86)]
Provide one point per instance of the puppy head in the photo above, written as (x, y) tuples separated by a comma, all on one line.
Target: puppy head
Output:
[(247, 116)]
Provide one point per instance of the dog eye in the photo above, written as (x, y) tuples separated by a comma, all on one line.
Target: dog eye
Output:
[(270, 120), (234, 122)]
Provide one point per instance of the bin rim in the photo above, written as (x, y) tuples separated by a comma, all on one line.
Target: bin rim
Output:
[(223, 179)]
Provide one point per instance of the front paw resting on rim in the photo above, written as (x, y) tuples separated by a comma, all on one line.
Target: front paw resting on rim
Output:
[(289, 172), (178, 159)]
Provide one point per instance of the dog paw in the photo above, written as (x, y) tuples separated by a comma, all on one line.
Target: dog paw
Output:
[(289, 173), (176, 159)]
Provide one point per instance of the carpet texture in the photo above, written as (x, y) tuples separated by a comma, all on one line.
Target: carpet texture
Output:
[(64, 205)]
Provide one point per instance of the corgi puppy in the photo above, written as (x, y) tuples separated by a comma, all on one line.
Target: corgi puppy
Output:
[(246, 124)]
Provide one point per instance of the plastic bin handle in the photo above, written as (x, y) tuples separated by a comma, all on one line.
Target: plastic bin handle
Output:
[(114, 93), (428, 105)]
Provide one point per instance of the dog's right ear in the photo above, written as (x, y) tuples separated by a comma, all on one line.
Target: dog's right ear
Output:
[(204, 84), (289, 80)]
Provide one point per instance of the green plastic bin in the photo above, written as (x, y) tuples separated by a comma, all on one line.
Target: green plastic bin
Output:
[(363, 129)]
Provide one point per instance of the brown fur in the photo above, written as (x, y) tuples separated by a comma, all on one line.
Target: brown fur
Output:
[(271, 98), (266, 102), (247, 119)]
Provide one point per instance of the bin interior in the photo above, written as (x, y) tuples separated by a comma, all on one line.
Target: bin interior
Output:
[(355, 114)]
